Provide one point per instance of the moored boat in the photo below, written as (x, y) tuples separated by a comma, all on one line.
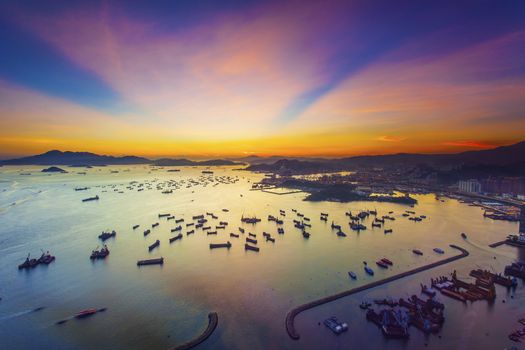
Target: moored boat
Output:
[(352, 275), (154, 245), (369, 271), (439, 250), (177, 237), (156, 261), (249, 247), (220, 245), (417, 252)]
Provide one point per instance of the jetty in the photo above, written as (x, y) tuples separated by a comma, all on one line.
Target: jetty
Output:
[(213, 321), (290, 316)]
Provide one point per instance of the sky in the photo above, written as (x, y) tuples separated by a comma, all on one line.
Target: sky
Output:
[(238, 78)]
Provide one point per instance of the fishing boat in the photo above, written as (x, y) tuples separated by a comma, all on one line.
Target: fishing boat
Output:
[(249, 247), (388, 230), (105, 235), (417, 252), (147, 232), (212, 233), (155, 225), (136, 227), (220, 245), (190, 232), (341, 234), (270, 239), (156, 261), (177, 237), (369, 271), (164, 215), (154, 245), (439, 250), (352, 275), (234, 235), (96, 198), (253, 241), (178, 228)]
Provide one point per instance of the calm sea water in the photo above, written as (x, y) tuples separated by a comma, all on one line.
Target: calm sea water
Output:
[(157, 307)]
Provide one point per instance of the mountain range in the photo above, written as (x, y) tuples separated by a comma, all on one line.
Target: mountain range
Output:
[(88, 159)]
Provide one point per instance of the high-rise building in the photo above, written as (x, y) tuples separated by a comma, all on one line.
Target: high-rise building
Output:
[(470, 186)]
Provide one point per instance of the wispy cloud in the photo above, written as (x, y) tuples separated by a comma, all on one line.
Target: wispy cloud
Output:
[(469, 144), (387, 138)]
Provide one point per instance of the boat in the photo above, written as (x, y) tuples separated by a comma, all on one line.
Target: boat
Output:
[(136, 227), (96, 198), (220, 245), (234, 235), (157, 261), (417, 252), (46, 258), (306, 234), (147, 232), (352, 275), (386, 261), (341, 234), (388, 230), (270, 239), (177, 237), (99, 254), (249, 247), (105, 235), (365, 305), (154, 245), (178, 228), (212, 233), (86, 313), (249, 240), (335, 325), (463, 235), (164, 215), (428, 291), (439, 250), (155, 225), (28, 263), (380, 263), (369, 271), (190, 232)]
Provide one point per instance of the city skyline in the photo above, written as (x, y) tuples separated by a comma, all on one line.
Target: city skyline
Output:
[(267, 78)]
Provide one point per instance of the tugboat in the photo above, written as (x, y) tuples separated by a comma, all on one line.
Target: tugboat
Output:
[(352, 275)]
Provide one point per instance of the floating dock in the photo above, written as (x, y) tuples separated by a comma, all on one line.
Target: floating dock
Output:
[(290, 316)]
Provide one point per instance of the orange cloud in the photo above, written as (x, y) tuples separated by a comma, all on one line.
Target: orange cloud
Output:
[(469, 143)]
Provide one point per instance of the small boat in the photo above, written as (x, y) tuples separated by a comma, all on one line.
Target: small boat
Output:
[(164, 215), (249, 240), (439, 250), (147, 232), (341, 234), (157, 261), (220, 245), (177, 237), (352, 275), (380, 263), (99, 254), (234, 235), (365, 305), (463, 235), (417, 252), (86, 313), (270, 239), (96, 198), (386, 261), (28, 263), (46, 258), (428, 291), (249, 247), (212, 233), (178, 228), (155, 224), (136, 227), (388, 230), (306, 234), (369, 271), (335, 326), (190, 232), (154, 245), (107, 235)]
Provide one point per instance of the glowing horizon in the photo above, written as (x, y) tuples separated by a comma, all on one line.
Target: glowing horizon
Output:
[(266, 78)]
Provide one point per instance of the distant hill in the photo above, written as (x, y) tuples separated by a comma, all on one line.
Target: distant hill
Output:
[(505, 156), (75, 158), (187, 162), (91, 159)]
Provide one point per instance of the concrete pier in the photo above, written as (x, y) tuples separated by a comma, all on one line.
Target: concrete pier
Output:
[(290, 317), (213, 321)]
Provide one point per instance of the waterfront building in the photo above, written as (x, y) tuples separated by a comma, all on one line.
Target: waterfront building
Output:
[(470, 186)]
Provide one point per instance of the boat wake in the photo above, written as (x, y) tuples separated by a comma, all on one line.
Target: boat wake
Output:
[(20, 313)]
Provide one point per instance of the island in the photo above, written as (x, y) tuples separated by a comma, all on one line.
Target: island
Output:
[(53, 169)]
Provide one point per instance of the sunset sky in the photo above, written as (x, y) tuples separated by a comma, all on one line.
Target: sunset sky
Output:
[(234, 78)]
